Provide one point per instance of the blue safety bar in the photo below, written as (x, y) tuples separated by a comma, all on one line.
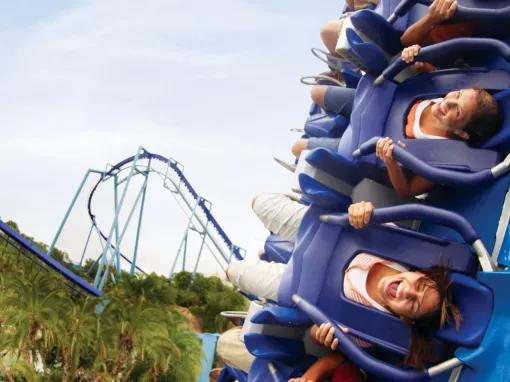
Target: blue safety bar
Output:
[(51, 262), (353, 352), (434, 174), (447, 48), (463, 13), (413, 211)]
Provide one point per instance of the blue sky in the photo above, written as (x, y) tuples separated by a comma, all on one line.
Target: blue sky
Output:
[(211, 84)]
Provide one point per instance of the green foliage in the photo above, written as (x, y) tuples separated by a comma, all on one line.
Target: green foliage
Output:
[(13, 225), (50, 333), (207, 297)]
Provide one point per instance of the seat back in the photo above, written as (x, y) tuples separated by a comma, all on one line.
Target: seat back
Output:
[(323, 252), (482, 206), (386, 8), (475, 301)]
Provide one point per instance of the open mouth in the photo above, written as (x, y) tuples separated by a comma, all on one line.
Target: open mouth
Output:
[(392, 288)]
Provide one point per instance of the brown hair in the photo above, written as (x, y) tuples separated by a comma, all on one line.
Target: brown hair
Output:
[(422, 329), (486, 120)]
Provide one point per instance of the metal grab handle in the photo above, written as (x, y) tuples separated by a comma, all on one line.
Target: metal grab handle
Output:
[(307, 80), (327, 58), (320, 54)]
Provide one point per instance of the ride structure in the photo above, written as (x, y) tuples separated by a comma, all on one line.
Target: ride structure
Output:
[(120, 177), (129, 201), (26, 248)]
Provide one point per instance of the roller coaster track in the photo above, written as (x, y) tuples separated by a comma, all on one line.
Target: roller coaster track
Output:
[(197, 209), (174, 166), (26, 247)]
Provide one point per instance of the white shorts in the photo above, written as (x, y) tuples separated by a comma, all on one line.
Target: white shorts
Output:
[(231, 349), (260, 278), (279, 214)]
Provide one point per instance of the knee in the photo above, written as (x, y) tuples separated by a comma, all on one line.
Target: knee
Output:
[(330, 33), (317, 94), (331, 29), (299, 146)]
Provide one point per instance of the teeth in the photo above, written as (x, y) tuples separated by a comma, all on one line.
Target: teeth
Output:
[(397, 294)]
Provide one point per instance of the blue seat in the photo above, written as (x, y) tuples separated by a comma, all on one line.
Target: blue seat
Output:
[(229, 374), (276, 249), (381, 32), (325, 125), (379, 110), (437, 83), (326, 250)]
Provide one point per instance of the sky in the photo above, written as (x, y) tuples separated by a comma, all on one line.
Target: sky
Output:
[(214, 85)]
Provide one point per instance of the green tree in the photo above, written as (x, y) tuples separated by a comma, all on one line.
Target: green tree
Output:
[(32, 307), (138, 336), (79, 337)]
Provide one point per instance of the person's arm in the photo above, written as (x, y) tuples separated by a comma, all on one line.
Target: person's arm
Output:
[(323, 368), (404, 186), (419, 32)]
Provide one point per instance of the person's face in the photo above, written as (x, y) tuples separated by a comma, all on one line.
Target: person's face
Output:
[(456, 109), (409, 294)]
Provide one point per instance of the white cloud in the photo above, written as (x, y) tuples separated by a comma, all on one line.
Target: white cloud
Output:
[(211, 84)]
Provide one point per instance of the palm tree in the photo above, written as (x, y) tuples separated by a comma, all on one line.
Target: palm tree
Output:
[(79, 336), (134, 330), (32, 307), (185, 364), (139, 336)]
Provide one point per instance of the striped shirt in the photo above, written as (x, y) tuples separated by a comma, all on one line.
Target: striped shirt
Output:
[(355, 279)]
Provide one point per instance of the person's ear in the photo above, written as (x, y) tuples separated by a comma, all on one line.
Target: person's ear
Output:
[(461, 134)]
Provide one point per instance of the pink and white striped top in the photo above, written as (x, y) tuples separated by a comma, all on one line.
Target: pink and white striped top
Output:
[(355, 281)]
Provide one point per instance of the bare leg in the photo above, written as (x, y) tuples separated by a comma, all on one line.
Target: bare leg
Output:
[(299, 146), (317, 93), (330, 33)]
